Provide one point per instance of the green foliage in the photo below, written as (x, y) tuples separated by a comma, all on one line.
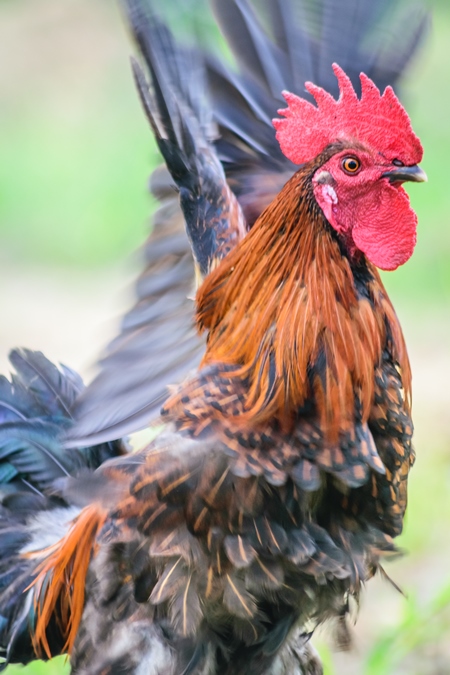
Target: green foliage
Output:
[(426, 277), (76, 151), (58, 666), (422, 625), (74, 192), (413, 644)]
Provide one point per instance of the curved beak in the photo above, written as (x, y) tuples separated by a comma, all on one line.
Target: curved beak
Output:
[(403, 173)]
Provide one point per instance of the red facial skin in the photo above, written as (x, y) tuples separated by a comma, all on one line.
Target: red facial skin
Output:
[(372, 215)]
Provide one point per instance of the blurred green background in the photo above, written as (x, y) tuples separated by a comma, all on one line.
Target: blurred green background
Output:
[(75, 154)]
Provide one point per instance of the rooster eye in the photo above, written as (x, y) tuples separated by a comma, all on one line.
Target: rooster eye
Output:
[(351, 164), (397, 162)]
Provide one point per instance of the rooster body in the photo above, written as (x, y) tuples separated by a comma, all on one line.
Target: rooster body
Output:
[(279, 480), (265, 520)]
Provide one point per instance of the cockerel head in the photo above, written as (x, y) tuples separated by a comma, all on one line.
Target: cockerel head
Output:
[(370, 150)]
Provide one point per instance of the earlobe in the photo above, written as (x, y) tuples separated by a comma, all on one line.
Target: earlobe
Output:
[(326, 198)]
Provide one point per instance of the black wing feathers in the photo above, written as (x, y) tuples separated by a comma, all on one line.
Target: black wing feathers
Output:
[(297, 42), (158, 343), (34, 414), (181, 121)]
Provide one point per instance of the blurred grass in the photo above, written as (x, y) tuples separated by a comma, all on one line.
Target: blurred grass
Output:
[(426, 277), (75, 148), (57, 666), (421, 626), (75, 154)]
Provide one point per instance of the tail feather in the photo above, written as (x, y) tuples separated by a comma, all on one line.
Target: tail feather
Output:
[(43, 557), (61, 576), (43, 571), (21, 531)]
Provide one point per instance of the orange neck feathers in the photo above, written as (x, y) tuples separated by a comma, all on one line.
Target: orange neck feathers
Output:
[(284, 308)]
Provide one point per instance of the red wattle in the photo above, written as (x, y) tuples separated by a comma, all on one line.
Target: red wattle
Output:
[(386, 230)]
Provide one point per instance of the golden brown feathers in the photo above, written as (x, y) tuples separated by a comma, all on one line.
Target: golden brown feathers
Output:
[(286, 317)]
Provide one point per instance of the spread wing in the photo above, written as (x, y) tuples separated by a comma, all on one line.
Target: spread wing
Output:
[(158, 344), (279, 46)]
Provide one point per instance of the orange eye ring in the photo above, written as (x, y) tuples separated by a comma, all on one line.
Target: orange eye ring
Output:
[(351, 165)]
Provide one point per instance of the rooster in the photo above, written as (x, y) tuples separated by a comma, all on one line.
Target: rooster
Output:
[(279, 480)]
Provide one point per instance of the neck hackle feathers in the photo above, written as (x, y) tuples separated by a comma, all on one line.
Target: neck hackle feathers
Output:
[(277, 328), (377, 120)]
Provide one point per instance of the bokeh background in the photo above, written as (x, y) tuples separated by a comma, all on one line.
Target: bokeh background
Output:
[(75, 154)]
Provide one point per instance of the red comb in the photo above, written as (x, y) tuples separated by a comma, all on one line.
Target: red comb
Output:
[(379, 121)]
